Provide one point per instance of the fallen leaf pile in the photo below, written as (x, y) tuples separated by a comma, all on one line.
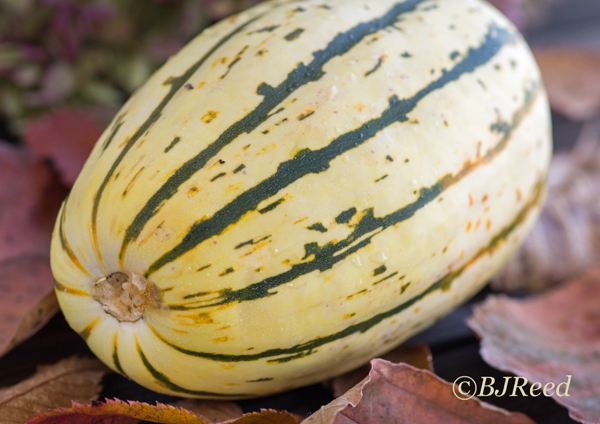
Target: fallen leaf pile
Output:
[(418, 356), (566, 239), (391, 393), (119, 412), (547, 338), (26, 297), (571, 79), (52, 386), (400, 393)]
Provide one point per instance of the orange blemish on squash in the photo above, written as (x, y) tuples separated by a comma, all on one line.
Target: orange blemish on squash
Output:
[(267, 149), (209, 116), (125, 141), (349, 315), (487, 209), (255, 248), (228, 366), (264, 41), (470, 200), (225, 306), (477, 224), (220, 339), (489, 224), (221, 61), (192, 192), (359, 107), (234, 187), (468, 226), (485, 197), (152, 233), (64, 289), (202, 318)]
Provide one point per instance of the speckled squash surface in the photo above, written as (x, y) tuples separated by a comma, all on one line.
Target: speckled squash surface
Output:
[(303, 187)]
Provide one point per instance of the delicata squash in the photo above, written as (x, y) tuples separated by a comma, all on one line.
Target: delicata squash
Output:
[(301, 188)]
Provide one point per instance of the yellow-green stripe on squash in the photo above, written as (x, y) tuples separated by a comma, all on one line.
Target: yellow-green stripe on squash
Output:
[(301, 188)]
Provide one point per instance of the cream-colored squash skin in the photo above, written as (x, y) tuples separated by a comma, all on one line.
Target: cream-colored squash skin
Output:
[(300, 221)]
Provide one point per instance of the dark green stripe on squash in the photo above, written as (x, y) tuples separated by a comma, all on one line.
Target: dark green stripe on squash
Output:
[(115, 355), (385, 278), (117, 126), (317, 227), (442, 284), (329, 254), (172, 144), (273, 96), (64, 243), (176, 84), (164, 381), (317, 161), (87, 331)]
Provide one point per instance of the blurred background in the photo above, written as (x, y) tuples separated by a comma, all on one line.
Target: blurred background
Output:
[(74, 60)]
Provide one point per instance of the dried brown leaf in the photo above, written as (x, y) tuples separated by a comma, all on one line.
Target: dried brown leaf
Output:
[(211, 411), (547, 338), (131, 412), (400, 393), (565, 241), (419, 356), (118, 412), (66, 137), (27, 299), (30, 197), (51, 386), (265, 416), (572, 79)]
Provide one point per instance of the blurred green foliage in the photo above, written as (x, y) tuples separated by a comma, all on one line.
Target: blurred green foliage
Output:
[(90, 53)]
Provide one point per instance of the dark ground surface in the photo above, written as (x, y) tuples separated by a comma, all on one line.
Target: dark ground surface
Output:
[(454, 347)]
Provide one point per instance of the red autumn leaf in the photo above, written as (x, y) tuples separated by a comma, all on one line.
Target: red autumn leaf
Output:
[(547, 338), (211, 410), (419, 356), (30, 196), (51, 386), (400, 393), (27, 299), (131, 412), (572, 80), (66, 137)]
